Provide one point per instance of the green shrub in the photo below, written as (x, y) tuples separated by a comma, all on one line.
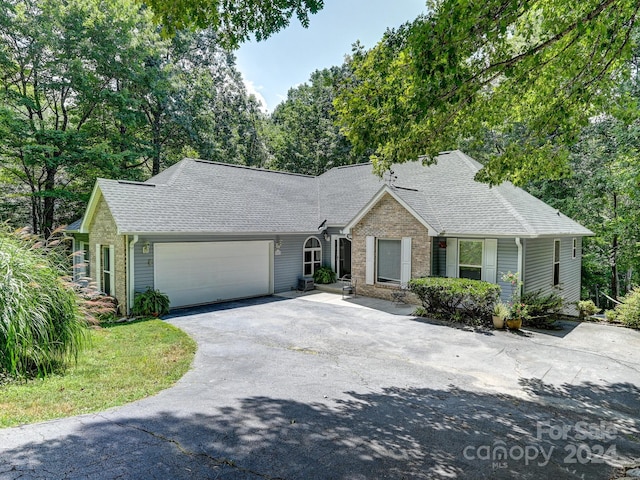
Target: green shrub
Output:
[(540, 305), (41, 325), (611, 315), (459, 299), (586, 308), (629, 311), (324, 275), (420, 312), (150, 303)]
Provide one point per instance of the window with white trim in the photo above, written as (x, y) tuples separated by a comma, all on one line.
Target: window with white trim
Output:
[(107, 269), (311, 256), (389, 261), (470, 259), (84, 247), (80, 262), (575, 248), (556, 263)]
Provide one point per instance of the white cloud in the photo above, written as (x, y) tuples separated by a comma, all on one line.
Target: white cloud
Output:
[(253, 89)]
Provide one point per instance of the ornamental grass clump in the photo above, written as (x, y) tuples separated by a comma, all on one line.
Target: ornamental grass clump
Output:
[(41, 327)]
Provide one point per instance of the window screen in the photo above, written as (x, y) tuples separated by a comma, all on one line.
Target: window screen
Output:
[(470, 259), (389, 261), (556, 263)]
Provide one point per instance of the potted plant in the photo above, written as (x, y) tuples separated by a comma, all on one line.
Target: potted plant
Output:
[(517, 313), (500, 313), (517, 309)]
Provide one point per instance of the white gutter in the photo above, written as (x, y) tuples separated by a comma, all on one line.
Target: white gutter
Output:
[(520, 262), (130, 272)]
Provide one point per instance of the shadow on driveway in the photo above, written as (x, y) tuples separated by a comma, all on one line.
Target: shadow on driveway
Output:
[(416, 433), (563, 329), (218, 307)]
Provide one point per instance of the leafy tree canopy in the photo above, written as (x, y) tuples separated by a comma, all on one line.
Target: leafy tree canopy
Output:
[(234, 20), (603, 193), (544, 65), (303, 137), (91, 89)]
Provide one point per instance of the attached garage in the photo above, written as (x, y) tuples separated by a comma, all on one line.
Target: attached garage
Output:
[(205, 272)]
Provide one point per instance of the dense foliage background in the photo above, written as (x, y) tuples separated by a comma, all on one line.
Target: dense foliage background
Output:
[(544, 93)]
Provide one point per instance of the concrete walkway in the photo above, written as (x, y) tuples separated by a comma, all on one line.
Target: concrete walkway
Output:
[(335, 298), (314, 387)]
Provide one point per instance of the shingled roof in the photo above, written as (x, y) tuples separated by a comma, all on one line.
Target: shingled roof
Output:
[(206, 197), (447, 197), (196, 196)]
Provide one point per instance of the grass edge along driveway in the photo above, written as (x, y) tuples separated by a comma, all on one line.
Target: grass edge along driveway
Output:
[(122, 362)]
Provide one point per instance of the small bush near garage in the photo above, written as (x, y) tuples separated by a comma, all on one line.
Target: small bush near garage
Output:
[(459, 299), (629, 311), (150, 303)]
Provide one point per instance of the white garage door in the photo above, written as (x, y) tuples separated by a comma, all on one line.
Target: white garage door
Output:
[(206, 272)]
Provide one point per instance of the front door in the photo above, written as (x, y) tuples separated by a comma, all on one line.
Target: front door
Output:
[(342, 256)]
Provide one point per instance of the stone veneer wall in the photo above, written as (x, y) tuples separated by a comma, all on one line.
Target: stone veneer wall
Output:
[(103, 231), (388, 219)]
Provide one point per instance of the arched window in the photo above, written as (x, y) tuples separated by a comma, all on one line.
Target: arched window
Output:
[(311, 256)]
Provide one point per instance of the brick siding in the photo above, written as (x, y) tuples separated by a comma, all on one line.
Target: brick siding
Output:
[(103, 231), (388, 219)]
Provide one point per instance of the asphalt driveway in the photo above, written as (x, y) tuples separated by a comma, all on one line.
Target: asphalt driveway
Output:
[(319, 388)]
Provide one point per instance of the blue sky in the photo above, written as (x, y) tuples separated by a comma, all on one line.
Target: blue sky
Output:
[(287, 59)]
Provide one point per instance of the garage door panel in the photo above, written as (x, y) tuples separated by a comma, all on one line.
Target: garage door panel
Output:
[(204, 272)]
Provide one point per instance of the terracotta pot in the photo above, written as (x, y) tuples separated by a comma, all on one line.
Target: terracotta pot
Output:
[(514, 323), (498, 322)]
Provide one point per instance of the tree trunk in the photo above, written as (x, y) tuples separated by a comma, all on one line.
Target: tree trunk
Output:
[(49, 202), (123, 147), (157, 148), (613, 258), (35, 218), (628, 285), (155, 168)]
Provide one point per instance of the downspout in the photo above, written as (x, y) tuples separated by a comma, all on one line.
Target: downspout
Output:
[(520, 263), (130, 271)]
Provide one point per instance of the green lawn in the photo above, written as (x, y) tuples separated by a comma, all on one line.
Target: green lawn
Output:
[(123, 362)]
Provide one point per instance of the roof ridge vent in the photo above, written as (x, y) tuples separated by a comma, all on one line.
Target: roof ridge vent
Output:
[(251, 168), (131, 182), (361, 164)]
